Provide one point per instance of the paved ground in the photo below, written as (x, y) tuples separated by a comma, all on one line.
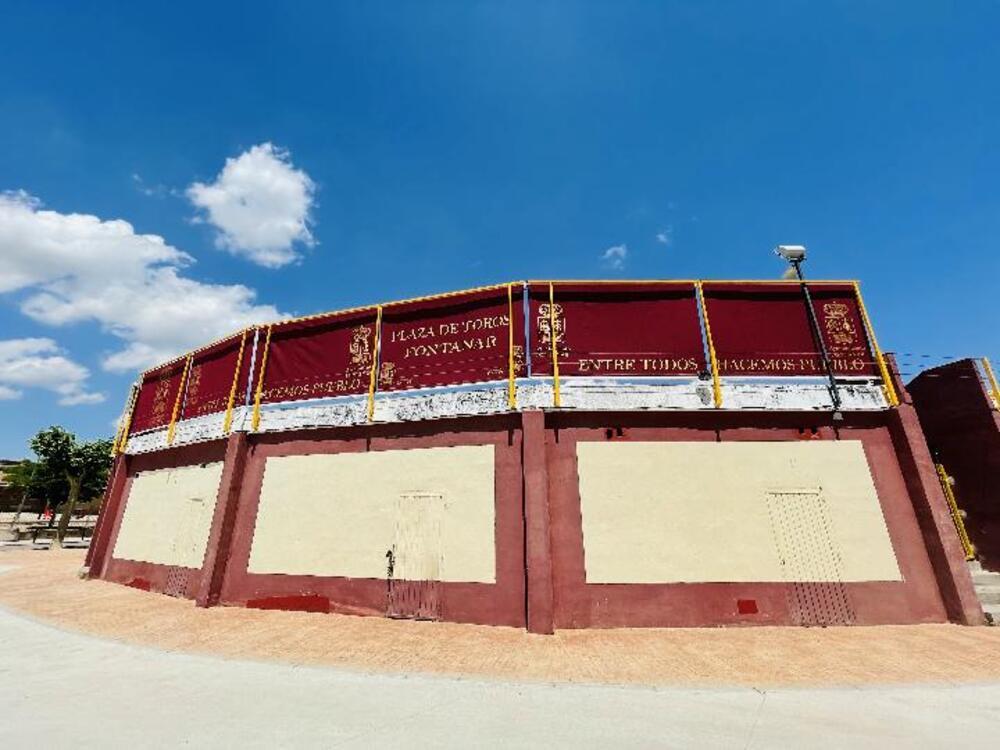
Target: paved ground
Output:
[(79, 690), (45, 585)]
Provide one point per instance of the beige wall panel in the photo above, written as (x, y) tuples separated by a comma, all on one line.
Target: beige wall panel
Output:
[(168, 516), (337, 514), (665, 512)]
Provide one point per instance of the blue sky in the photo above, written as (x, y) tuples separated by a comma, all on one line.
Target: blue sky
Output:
[(419, 147)]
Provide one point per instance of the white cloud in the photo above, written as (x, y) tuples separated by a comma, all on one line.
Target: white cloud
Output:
[(614, 257), (41, 247), (38, 363), (77, 268), (665, 236), (260, 204), (151, 191)]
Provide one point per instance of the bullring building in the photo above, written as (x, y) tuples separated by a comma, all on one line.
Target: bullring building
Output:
[(543, 455)]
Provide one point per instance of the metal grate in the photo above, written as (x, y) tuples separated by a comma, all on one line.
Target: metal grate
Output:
[(810, 559), (177, 581)]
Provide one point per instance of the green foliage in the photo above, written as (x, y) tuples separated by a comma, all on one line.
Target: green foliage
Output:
[(62, 460), (22, 477)]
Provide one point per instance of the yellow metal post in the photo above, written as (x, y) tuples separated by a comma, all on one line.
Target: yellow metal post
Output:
[(556, 397), (121, 439), (713, 362), (178, 400), (255, 421), (228, 421), (373, 380), (956, 514), (511, 374), (887, 385), (994, 387)]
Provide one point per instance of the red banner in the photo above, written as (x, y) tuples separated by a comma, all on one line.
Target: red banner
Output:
[(210, 379), (613, 329), (764, 329), (617, 330), (318, 358), (157, 395), (843, 329), (450, 341)]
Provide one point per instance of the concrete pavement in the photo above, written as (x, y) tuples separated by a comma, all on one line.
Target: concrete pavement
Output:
[(89, 692)]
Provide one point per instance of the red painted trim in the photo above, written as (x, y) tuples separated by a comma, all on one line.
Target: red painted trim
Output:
[(538, 557), (940, 540), (152, 576), (582, 605), (541, 581), (501, 603), (97, 551), (112, 568), (902, 393), (220, 536)]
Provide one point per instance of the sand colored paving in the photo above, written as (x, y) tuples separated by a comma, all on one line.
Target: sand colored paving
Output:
[(45, 585)]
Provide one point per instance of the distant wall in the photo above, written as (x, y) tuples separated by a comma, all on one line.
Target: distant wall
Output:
[(963, 432), (168, 514), (700, 512)]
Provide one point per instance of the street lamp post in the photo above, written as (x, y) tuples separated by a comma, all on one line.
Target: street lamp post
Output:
[(796, 255)]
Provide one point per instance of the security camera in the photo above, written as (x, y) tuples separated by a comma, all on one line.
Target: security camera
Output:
[(791, 253)]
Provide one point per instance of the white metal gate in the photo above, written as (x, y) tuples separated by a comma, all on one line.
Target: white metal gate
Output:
[(414, 560)]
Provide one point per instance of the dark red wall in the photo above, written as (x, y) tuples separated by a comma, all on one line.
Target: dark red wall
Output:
[(501, 603), (143, 575), (578, 604), (539, 541)]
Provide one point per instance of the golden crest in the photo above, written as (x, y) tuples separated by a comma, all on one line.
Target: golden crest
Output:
[(388, 374), (159, 410), (194, 382), (360, 347), (838, 324), (544, 323)]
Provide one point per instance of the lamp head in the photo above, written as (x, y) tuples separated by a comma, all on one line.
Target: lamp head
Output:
[(791, 253)]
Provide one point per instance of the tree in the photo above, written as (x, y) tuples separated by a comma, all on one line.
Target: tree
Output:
[(68, 469), (23, 478)]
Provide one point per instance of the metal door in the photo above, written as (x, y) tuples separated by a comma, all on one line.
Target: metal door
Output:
[(414, 560), (810, 558), (181, 545)]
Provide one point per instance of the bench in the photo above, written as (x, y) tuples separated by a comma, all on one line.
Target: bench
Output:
[(37, 530)]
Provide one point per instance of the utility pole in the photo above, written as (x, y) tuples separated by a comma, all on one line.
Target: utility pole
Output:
[(796, 255)]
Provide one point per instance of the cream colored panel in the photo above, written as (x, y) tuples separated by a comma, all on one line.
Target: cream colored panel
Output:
[(168, 516), (338, 514), (699, 512)]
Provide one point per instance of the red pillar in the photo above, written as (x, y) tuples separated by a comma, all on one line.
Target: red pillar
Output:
[(221, 534), (537, 542), (940, 538), (98, 551)]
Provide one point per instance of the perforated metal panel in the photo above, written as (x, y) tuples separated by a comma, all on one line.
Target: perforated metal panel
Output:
[(809, 557), (414, 561), (177, 581)]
